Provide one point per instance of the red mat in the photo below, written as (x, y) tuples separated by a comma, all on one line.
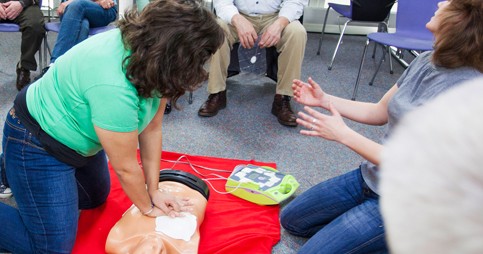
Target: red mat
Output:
[(231, 224)]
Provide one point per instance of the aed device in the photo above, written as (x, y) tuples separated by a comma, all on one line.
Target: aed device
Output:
[(260, 184)]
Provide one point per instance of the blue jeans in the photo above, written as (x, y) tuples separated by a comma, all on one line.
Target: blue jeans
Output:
[(340, 215), (79, 16), (3, 176), (48, 193)]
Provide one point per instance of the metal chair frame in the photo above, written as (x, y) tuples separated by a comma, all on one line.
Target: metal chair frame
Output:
[(411, 29), (382, 26)]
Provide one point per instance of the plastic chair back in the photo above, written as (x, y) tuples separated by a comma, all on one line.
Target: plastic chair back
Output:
[(371, 10), (55, 27), (412, 16)]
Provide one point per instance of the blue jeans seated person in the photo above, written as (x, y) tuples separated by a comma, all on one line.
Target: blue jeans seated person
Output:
[(77, 17)]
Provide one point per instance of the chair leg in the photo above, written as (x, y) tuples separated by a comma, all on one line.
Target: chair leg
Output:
[(374, 51), (41, 59), (46, 49), (379, 66), (356, 86), (190, 98), (381, 28), (323, 30), (391, 70), (338, 44)]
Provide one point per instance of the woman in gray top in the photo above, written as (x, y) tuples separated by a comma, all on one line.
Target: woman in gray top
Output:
[(342, 215)]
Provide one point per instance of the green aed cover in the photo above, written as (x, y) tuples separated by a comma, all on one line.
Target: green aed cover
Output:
[(260, 184)]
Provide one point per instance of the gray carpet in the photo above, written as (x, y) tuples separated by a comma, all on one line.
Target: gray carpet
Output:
[(246, 129)]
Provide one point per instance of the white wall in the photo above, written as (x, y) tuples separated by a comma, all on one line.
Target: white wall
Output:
[(314, 15)]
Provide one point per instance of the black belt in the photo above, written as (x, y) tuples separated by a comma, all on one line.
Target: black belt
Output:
[(60, 151)]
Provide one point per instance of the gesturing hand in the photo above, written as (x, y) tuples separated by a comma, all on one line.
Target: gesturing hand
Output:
[(309, 94), (331, 127)]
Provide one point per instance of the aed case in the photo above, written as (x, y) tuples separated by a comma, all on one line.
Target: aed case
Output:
[(260, 184)]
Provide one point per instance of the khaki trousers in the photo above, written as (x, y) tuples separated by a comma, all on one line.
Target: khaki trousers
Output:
[(291, 48)]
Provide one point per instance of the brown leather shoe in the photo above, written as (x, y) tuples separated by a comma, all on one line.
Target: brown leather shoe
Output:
[(213, 104), (282, 110), (23, 78)]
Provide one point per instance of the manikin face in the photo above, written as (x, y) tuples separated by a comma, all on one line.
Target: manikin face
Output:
[(434, 23)]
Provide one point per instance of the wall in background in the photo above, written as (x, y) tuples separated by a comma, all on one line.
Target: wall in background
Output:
[(314, 15)]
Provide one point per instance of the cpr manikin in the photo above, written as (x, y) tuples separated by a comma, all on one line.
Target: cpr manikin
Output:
[(136, 233)]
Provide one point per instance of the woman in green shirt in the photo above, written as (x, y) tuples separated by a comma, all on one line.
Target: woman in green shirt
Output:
[(105, 96)]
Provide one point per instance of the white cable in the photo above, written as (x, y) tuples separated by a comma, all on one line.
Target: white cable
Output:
[(207, 180)]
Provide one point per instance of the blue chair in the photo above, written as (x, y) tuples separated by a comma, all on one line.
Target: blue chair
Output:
[(373, 11), (411, 32), (14, 28), (55, 27)]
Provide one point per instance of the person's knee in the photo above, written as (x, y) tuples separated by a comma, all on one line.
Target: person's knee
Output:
[(76, 7), (38, 29), (94, 200), (35, 26), (288, 222), (295, 33)]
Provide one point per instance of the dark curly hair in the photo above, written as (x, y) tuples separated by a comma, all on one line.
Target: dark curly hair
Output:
[(169, 42), (461, 40)]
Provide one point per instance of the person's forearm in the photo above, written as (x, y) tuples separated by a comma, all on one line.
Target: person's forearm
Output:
[(282, 21), (225, 9), (362, 112), (150, 147), (27, 3), (293, 9), (133, 184), (365, 147)]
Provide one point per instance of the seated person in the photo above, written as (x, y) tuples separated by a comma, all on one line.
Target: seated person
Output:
[(27, 14), (136, 233), (77, 17), (432, 182), (277, 22), (63, 127), (342, 215)]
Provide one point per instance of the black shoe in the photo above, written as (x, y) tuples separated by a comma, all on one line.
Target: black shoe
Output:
[(282, 110), (213, 104), (44, 70), (167, 110), (23, 78)]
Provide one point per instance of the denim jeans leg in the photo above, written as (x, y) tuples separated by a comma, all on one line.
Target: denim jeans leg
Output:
[(93, 182), (45, 190), (74, 19), (340, 215), (3, 176), (359, 230), (313, 209)]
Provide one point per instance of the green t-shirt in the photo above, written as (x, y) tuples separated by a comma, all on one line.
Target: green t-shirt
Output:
[(87, 86)]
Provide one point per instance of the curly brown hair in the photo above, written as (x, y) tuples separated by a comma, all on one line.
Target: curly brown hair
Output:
[(461, 40), (169, 42)]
